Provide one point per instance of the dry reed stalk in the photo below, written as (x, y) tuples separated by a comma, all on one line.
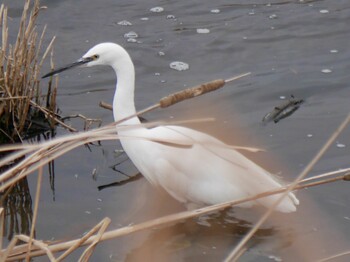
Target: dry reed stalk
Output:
[(37, 243), (180, 96), (20, 65), (185, 94), (235, 254), (100, 228), (19, 251), (49, 114), (2, 223), (336, 256), (35, 213), (87, 121)]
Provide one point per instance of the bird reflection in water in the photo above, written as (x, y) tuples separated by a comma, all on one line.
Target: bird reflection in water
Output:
[(207, 238)]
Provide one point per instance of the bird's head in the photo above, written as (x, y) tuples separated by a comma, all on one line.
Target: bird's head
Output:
[(100, 54)]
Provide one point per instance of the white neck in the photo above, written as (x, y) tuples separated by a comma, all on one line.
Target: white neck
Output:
[(123, 102)]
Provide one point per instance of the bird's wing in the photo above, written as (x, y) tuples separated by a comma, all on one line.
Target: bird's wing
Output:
[(221, 164), (256, 179), (178, 136)]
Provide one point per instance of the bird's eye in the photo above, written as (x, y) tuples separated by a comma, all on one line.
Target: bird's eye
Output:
[(95, 57)]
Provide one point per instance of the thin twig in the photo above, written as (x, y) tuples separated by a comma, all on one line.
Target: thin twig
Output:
[(52, 116), (185, 94), (331, 258), (2, 214), (35, 213), (105, 105), (100, 226), (88, 251)]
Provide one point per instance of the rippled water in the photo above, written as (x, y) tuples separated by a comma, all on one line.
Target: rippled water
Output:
[(298, 48)]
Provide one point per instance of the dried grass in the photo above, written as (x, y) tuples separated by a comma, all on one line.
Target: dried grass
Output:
[(20, 65)]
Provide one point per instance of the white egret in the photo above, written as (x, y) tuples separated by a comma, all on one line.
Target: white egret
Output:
[(208, 172)]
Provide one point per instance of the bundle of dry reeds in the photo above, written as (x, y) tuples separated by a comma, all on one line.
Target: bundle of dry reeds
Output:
[(20, 63)]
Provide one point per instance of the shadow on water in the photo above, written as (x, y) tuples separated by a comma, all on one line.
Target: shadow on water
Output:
[(17, 200), (17, 204), (51, 165)]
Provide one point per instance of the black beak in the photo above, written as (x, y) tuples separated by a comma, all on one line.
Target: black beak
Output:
[(81, 61)]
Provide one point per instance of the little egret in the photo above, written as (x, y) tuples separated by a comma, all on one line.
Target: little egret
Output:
[(205, 173)]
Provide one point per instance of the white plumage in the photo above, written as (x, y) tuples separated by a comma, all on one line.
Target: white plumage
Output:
[(208, 172)]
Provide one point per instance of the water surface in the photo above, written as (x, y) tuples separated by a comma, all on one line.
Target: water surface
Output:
[(295, 48)]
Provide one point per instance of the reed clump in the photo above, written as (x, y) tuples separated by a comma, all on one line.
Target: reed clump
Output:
[(21, 101)]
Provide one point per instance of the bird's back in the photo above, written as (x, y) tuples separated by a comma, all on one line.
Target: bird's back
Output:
[(197, 168)]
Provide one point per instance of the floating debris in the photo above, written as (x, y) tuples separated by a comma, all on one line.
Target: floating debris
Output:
[(339, 145), (273, 16), (309, 135), (324, 11), (124, 23), (131, 34), (132, 40), (284, 110), (203, 31), (144, 18), (157, 9), (326, 71), (275, 258), (94, 174), (179, 66), (170, 17), (160, 53), (333, 51), (215, 11)]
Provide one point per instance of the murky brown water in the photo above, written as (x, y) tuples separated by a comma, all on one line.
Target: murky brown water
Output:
[(291, 47)]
